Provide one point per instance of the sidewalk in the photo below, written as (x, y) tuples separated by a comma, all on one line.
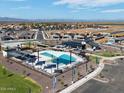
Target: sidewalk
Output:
[(84, 80), (91, 75)]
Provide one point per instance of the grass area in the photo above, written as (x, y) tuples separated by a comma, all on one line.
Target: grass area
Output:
[(14, 83), (108, 54), (94, 59)]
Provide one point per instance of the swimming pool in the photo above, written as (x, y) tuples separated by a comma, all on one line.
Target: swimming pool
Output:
[(65, 59), (48, 55), (56, 60), (59, 57)]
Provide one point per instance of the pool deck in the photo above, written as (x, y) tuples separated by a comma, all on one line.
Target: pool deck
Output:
[(49, 58)]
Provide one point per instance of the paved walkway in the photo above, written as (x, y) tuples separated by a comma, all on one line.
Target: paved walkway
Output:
[(106, 58), (91, 75)]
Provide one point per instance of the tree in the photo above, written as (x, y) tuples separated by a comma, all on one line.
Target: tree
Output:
[(4, 70), (97, 61)]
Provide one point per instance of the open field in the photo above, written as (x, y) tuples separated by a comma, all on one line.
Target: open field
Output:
[(14, 83), (112, 28)]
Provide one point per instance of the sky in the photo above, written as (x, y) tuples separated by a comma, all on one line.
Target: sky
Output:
[(63, 9)]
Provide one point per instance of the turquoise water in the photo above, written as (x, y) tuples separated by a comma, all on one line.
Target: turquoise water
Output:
[(48, 55), (64, 59)]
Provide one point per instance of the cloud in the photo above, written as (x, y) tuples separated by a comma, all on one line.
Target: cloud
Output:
[(113, 11), (88, 3)]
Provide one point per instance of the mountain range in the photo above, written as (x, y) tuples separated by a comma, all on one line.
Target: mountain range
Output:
[(9, 19)]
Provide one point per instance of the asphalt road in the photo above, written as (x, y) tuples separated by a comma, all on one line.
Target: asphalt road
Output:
[(116, 84)]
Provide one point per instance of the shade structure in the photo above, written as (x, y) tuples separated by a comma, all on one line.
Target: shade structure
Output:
[(40, 63), (50, 66)]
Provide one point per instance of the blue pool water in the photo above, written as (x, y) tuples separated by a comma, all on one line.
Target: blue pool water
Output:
[(64, 58), (48, 55)]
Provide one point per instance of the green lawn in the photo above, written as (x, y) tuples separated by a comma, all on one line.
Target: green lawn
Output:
[(14, 83)]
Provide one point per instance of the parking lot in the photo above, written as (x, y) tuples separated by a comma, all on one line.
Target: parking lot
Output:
[(116, 85)]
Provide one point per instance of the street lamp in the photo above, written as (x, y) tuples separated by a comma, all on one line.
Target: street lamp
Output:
[(38, 54), (57, 63), (121, 49), (74, 71), (83, 43), (7, 51), (54, 83), (70, 55), (86, 67)]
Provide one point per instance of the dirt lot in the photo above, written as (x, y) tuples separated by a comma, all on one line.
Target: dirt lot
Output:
[(112, 28)]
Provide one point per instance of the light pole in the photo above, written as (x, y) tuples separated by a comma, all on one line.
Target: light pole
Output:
[(7, 56), (54, 83), (38, 54), (70, 55), (57, 63), (86, 67), (121, 49), (74, 73), (83, 43)]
